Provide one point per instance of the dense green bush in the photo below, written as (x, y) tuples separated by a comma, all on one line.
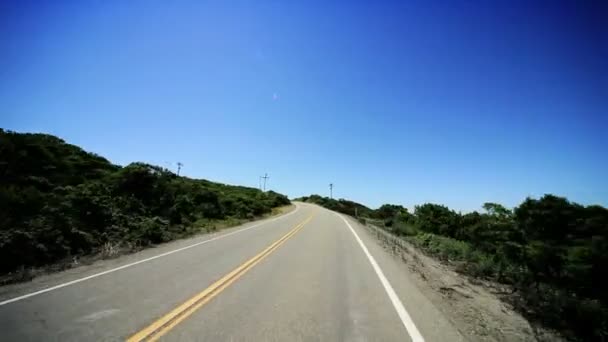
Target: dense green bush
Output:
[(59, 201), (444, 247)]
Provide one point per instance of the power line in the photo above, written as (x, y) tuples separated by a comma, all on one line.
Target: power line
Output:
[(265, 178)]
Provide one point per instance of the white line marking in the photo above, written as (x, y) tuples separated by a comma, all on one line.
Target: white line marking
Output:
[(403, 315), (140, 261)]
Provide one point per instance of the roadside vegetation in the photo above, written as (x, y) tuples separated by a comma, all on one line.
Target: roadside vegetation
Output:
[(58, 201), (553, 253)]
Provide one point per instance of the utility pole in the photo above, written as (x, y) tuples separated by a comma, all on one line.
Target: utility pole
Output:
[(179, 167), (265, 178), (331, 190)]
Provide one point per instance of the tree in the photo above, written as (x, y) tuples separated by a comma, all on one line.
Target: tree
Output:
[(437, 219)]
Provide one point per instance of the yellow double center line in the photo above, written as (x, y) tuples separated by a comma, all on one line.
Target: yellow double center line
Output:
[(167, 322)]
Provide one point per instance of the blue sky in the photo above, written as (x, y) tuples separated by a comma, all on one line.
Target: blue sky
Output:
[(404, 102)]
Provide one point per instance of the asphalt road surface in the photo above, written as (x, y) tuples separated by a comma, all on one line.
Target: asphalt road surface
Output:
[(308, 275)]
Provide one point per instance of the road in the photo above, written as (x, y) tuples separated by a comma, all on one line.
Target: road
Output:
[(308, 275)]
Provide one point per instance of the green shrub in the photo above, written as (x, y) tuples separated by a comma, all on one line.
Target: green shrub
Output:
[(58, 201), (443, 247), (404, 229), (482, 266)]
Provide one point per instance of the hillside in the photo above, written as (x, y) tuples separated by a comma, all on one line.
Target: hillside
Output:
[(340, 205), (60, 201), (551, 252)]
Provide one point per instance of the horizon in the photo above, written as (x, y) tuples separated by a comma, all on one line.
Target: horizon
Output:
[(411, 207), (457, 104)]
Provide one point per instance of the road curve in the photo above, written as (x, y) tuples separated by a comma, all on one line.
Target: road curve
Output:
[(309, 275)]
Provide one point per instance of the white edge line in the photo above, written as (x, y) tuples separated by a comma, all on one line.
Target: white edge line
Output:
[(403, 315), (76, 281)]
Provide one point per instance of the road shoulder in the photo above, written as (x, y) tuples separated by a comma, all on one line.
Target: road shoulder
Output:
[(430, 321), (473, 307)]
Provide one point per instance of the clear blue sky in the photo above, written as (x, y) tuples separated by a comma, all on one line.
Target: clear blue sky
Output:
[(403, 102)]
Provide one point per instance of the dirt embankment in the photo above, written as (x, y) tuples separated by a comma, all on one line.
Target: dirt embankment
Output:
[(474, 306)]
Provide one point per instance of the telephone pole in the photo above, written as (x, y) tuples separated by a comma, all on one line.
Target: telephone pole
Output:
[(179, 167), (265, 178), (331, 190)]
